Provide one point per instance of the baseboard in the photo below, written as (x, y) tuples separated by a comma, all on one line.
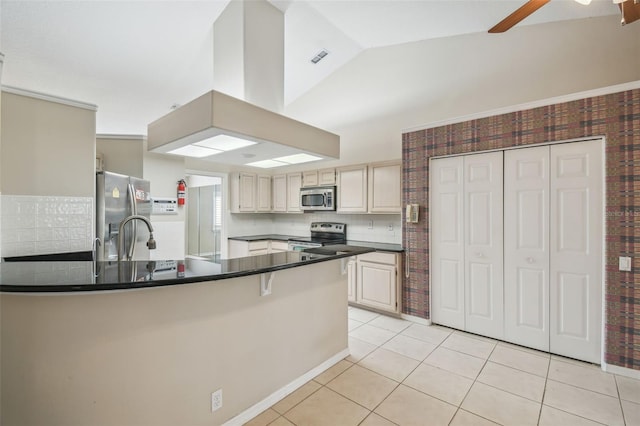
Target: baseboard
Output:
[(621, 371), (281, 393), (415, 319)]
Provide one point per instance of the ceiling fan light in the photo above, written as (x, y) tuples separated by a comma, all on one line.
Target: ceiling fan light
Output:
[(585, 2)]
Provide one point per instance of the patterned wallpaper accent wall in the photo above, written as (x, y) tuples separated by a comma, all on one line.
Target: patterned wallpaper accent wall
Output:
[(614, 116)]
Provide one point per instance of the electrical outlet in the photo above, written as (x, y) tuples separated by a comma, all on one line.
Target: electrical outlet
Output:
[(370, 226), (216, 400), (390, 227), (624, 263)]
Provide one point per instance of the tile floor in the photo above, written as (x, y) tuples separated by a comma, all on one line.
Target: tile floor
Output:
[(404, 373)]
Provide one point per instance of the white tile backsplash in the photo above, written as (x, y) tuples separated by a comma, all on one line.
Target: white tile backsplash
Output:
[(41, 225)]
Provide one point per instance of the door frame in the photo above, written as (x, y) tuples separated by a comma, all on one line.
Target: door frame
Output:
[(603, 163)]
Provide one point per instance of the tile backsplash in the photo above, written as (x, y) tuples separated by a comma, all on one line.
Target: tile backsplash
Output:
[(41, 225)]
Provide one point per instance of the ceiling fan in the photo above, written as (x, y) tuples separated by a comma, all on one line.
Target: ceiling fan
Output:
[(630, 10)]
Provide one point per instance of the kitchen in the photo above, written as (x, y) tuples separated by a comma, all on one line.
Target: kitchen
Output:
[(29, 161)]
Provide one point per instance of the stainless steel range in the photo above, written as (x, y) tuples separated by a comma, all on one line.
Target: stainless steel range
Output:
[(322, 234)]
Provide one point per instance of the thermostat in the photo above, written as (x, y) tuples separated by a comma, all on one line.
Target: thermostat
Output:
[(164, 206)]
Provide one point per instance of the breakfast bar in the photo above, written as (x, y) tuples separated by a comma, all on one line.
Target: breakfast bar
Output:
[(149, 342)]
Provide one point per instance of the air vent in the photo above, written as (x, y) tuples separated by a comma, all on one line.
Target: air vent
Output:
[(319, 56)]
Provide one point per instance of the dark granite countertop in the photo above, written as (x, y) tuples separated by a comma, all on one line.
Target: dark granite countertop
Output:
[(374, 245), (277, 237), (79, 276)]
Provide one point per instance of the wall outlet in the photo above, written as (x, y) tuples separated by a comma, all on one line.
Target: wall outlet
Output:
[(624, 263), (370, 225), (216, 400)]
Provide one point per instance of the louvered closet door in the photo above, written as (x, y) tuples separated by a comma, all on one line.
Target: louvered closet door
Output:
[(447, 241), (483, 244), (576, 250), (526, 246)]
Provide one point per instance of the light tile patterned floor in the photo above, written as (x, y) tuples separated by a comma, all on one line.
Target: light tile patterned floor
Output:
[(405, 373)]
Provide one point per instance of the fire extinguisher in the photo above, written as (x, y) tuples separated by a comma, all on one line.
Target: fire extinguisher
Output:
[(182, 192)]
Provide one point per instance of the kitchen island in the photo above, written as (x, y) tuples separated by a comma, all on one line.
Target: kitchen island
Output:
[(147, 343)]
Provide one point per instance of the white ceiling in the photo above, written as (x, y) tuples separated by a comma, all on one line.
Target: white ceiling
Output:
[(136, 58)]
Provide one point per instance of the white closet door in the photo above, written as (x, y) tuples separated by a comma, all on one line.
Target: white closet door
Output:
[(526, 246), (576, 250), (484, 244), (447, 241)]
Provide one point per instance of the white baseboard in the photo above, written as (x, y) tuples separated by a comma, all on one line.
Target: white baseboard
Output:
[(258, 408), (621, 371), (415, 319)]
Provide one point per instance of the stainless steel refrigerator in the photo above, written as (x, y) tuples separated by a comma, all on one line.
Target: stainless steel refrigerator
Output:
[(117, 197)]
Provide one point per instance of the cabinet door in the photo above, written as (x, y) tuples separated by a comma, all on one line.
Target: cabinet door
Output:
[(294, 182), (483, 244), (351, 280), (576, 222), (278, 246), (263, 195), (327, 177), (310, 178), (385, 188), (238, 249), (279, 193), (352, 189), (376, 285), (247, 192), (447, 241), (526, 246)]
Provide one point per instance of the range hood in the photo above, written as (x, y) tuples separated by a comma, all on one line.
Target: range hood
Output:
[(244, 108), (215, 113)]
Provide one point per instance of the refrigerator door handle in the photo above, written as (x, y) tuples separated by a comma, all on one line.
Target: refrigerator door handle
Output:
[(134, 225)]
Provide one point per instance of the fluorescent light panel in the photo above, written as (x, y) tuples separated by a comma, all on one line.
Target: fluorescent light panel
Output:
[(298, 158), (224, 143), (266, 164), (212, 146)]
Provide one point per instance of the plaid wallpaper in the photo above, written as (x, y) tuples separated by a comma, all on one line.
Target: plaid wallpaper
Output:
[(614, 116)]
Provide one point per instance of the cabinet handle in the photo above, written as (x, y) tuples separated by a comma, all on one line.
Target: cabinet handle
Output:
[(480, 255), (530, 260)]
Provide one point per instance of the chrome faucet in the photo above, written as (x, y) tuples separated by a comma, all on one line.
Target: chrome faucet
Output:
[(151, 243)]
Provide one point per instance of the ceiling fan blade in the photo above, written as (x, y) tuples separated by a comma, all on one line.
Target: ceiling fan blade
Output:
[(525, 10), (630, 11)]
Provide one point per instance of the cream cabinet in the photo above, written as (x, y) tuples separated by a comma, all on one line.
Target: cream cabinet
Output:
[(352, 189), (373, 280), (294, 183), (279, 193), (326, 177), (385, 187), (309, 178), (243, 192), (263, 193), (373, 188), (238, 248)]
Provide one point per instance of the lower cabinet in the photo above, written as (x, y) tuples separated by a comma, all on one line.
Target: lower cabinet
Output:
[(374, 281), (238, 248)]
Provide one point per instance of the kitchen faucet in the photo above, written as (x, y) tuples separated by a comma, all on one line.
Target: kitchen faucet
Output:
[(151, 243)]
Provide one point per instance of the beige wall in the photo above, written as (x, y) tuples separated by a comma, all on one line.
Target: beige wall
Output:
[(121, 155), (48, 148), (154, 356)]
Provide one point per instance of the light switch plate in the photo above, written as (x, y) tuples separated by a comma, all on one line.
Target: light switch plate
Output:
[(624, 263)]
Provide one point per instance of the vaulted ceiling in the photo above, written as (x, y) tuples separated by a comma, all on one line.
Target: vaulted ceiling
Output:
[(135, 59)]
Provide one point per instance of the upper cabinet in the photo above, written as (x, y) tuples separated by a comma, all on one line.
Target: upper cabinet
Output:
[(263, 193), (352, 189), (294, 182), (385, 187), (373, 188), (310, 178), (243, 192), (279, 193), (326, 177)]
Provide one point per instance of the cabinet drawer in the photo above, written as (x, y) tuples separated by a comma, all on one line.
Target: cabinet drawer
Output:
[(259, 245), (279, 245), (379, 257)]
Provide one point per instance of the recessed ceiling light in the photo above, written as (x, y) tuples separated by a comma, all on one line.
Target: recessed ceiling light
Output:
[(319, 56), (298, 158), (194, 151), (224, 143)]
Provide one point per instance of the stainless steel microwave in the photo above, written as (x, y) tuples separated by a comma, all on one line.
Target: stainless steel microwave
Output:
[(318, 198)]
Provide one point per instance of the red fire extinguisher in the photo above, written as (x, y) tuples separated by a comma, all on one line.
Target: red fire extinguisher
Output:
[(182, 192)]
